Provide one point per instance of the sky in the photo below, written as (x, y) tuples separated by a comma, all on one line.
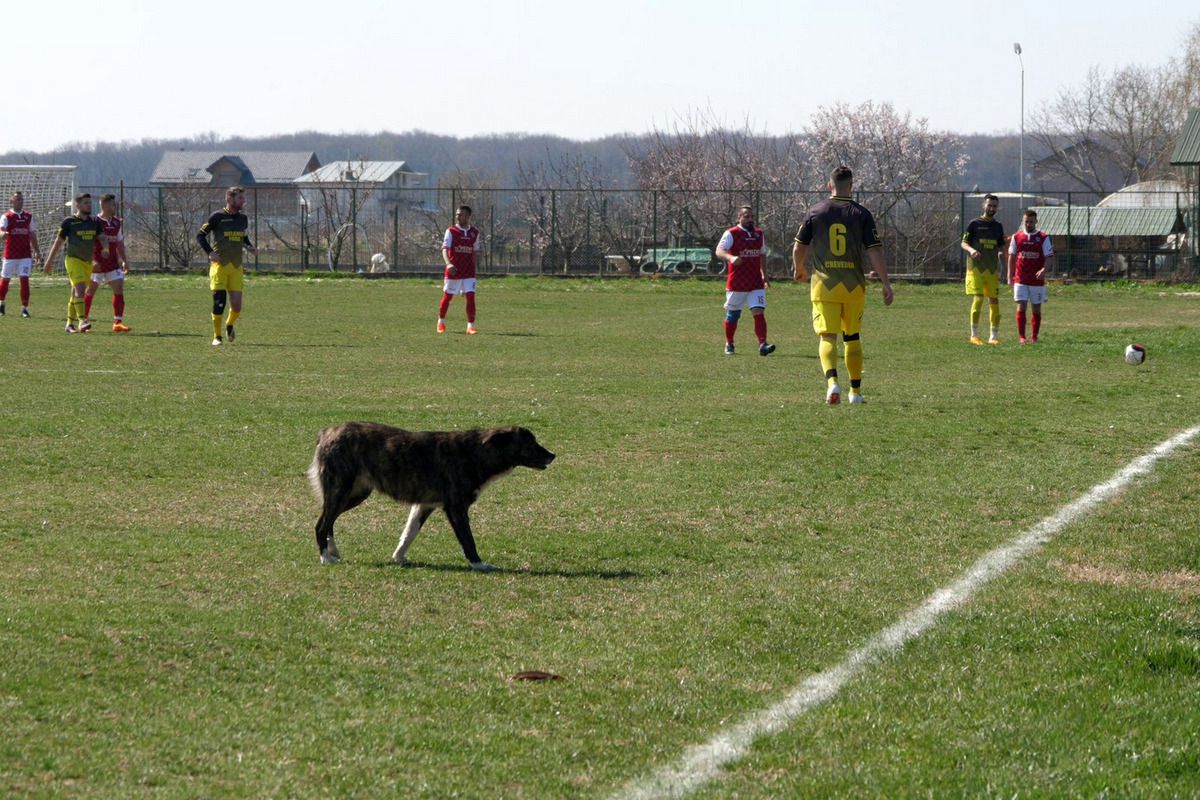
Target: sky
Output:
[(148, 70)]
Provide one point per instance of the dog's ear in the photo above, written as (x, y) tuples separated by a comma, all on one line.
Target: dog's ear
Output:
[(498, 437)]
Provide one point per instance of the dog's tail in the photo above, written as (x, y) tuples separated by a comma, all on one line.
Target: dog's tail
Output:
[(314, 469)]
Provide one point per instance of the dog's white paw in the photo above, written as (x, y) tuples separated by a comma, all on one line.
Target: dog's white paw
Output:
[(483, 566), (330, 558), (401, 560)]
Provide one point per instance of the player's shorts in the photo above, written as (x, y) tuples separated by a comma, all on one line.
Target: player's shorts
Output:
[(108, 277), (225, 276), (983, 281), (1034, 294), (78, 270), (16, 267), (834, 318), (459, 286), (735, 301)]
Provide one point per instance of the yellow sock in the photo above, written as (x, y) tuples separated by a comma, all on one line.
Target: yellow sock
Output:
[(216, 320), (854, 361), (828, 352), (72, 316), (994, 315), (232, 318), (976, 312)]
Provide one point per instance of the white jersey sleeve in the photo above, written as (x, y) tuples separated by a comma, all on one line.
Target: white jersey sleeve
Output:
[(447, 240), (478, 240), (1047, 248), (4, 223), (726, 241)]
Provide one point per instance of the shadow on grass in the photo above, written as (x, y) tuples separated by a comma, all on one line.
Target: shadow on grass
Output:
[(601, 574)]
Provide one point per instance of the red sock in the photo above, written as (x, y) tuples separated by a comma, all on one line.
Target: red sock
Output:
[(118, 306), (730, 330), (87, 305), (446, 298), (1037, 323), (4, 288), (471, 307), (24, 290), (760, 328), (1021, 323)]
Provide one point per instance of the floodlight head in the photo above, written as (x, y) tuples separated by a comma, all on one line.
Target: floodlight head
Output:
[(1017, 48)]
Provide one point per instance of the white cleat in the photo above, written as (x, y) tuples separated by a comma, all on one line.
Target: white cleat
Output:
[(483, 566), (217, 342), (833, 395), (856, 398)]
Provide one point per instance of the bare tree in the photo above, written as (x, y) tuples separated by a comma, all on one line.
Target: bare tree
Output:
[(334, 207), (900, 165), (565, 205), (175, 219)]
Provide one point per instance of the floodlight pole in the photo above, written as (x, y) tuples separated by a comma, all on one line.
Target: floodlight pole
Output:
[(1021, 157)]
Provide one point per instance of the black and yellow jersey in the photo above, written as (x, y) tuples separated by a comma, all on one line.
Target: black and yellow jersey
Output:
[(987, 236), (839, 231), (81, 235), (229, 230)]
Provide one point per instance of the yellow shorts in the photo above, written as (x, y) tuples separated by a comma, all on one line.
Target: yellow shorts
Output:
[(984, 282), (844, 318), (78, 270), (224, 276)]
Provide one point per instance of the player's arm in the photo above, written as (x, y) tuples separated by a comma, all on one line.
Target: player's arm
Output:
[(1012, 258), (966, 244), (722, 251), (249, 245), (1048, 252), (54, 248), (3, 229), (202, 240), (33, 241), (799, 257), (447, 243), (875, 254)]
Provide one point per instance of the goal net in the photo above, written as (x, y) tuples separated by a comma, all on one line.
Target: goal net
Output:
[(48, 192)]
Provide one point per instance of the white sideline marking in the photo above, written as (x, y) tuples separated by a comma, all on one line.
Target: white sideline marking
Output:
[(702, 763)]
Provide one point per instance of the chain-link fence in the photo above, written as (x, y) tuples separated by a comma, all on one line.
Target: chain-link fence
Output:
[(609, 232)]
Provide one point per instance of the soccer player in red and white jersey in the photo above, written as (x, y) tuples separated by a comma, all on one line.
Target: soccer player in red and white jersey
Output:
[(1030, 254), (460, 247), (108, 264), (744, 247), (18, 231)]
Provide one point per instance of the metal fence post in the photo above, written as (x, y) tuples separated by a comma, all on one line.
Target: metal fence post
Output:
[(162, 232), (256, 238), (962, 227), (1068, 248), (396, 236), (553, 227)]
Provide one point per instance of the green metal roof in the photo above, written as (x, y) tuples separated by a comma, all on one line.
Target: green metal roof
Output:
[(1187, 149), (1095, 221)]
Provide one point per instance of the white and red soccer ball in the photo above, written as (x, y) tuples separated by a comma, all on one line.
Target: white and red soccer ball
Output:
[(1135, 354)]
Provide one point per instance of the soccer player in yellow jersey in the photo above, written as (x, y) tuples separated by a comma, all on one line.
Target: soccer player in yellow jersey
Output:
[(229, 228), (840, 235), (79, 233), (983, 242)]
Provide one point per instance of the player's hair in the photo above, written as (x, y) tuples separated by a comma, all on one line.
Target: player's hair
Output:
[(18, 193), (464, 208), (990, 196), (84, 196), (233, 190), (842, 176), (104, 198), (743, 208), (1029, 212)]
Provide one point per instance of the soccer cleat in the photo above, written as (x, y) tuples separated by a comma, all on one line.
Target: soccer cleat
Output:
[(441, 328), (229, 333), (1021, 340), (120, 327), (729, 348), (217, 341), (1, 309), (833, 395), (765, 349), (25, 312), (471, 329), (71, 328), (856, 398), (85, 326), (1033, 340), (993, 341), (976, 340)]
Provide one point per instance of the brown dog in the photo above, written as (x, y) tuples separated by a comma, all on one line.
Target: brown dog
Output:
[(428, 470)]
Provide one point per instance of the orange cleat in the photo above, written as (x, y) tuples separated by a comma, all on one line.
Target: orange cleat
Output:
[(441, 328), (120, 327), (472, 330), (976, 340)]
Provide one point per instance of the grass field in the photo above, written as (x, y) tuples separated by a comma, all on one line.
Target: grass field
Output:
[(710, 535)]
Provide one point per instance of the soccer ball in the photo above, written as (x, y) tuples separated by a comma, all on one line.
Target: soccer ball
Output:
[(1135, 354)]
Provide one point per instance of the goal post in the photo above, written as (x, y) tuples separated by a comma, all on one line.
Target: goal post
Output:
[(49, 190)]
